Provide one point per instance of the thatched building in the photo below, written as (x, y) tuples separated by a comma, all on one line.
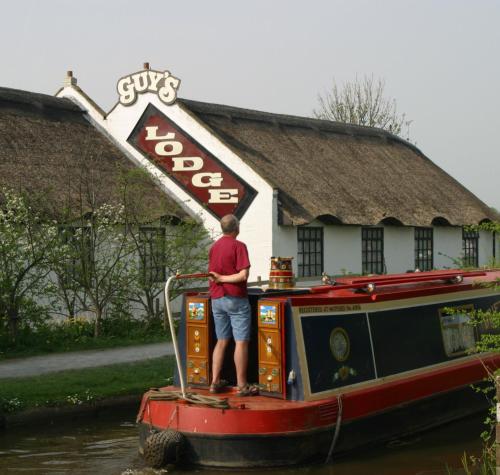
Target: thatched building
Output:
[(336, 197)]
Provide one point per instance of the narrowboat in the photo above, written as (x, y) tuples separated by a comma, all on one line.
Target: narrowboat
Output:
[(358, 361)]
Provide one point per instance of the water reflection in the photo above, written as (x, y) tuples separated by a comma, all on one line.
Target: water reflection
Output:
[(110, 447)]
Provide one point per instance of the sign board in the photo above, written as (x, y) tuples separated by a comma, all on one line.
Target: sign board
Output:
[(162, 83), (220, 190)]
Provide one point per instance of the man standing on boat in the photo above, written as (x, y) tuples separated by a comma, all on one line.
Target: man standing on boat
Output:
[(228, 265)]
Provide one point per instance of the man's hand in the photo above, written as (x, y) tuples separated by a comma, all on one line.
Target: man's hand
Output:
[(214, 277), (241, 276)]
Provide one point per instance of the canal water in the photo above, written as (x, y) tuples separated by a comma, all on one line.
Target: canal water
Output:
[(109, 447)]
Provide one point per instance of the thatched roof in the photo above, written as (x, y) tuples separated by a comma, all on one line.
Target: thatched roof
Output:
[(50, 150), (342, 173)]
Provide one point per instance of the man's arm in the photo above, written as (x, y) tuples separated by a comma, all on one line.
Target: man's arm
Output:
[(241, 276)]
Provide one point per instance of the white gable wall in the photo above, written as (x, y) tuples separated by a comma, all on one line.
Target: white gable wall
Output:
[(256, 223)]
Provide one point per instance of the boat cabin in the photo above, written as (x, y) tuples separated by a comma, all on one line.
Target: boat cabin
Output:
[(309, 343)]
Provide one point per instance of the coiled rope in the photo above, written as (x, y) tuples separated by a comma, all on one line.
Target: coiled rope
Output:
[(155, 394)]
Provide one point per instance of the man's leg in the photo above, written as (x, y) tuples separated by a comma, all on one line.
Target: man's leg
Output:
[(218, 360), (241, 325), (241, 362), (223, 331)]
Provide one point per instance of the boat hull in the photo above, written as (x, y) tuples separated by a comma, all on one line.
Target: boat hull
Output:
[(297, 447)]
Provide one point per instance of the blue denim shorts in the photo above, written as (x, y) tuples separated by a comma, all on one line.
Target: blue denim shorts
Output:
[(232, 318)]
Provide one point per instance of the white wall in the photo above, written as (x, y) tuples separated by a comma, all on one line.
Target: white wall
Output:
[(342, 248), (497, 248), (284, 245), (447, 244), (399, 249), (485, 248)]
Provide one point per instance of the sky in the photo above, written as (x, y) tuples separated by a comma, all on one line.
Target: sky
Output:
[(439, 60)]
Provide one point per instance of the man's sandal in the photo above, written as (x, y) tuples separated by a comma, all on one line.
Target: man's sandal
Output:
[(247, 390), (217, 387)]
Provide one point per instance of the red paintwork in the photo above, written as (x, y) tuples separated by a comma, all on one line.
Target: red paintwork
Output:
[(263, 415), (450, 376), (409, 277)]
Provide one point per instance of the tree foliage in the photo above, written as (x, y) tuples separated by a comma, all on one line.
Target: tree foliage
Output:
[(28, 244), (163, 250), (362, 102), (487, 328), (93, 257)]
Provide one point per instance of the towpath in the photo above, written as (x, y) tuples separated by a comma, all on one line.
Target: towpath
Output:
[(35, 365)]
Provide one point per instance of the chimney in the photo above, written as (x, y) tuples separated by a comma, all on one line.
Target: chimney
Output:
[(69, 80), (146, 66)]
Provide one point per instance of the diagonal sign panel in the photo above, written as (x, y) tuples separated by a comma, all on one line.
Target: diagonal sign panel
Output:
[(190, 165)]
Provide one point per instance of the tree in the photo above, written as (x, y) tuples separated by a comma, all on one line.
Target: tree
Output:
[(119, 254), (163, 245), (101, 250), (67, 288), (362, 102), (162, 250), (28, 243)]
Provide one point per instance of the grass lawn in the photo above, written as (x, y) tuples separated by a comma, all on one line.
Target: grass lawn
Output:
[(76, 387)]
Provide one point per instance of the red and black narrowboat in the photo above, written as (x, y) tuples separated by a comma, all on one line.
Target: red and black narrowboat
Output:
[(339, 366)]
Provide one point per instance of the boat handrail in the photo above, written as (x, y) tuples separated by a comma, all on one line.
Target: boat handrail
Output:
[(171, 321), (452, 277)]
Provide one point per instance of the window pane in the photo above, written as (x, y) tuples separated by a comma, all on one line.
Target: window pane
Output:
[(151, 255), (423, 249), (470, 245), (372, 250), (309, 250)]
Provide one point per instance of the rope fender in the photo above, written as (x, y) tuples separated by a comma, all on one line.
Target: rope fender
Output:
[(164, 448)]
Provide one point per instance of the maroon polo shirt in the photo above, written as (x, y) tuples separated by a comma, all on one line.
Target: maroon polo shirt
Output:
[(228, 256)]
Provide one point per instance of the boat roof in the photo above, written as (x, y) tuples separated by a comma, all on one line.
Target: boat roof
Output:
[(367, 289)]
